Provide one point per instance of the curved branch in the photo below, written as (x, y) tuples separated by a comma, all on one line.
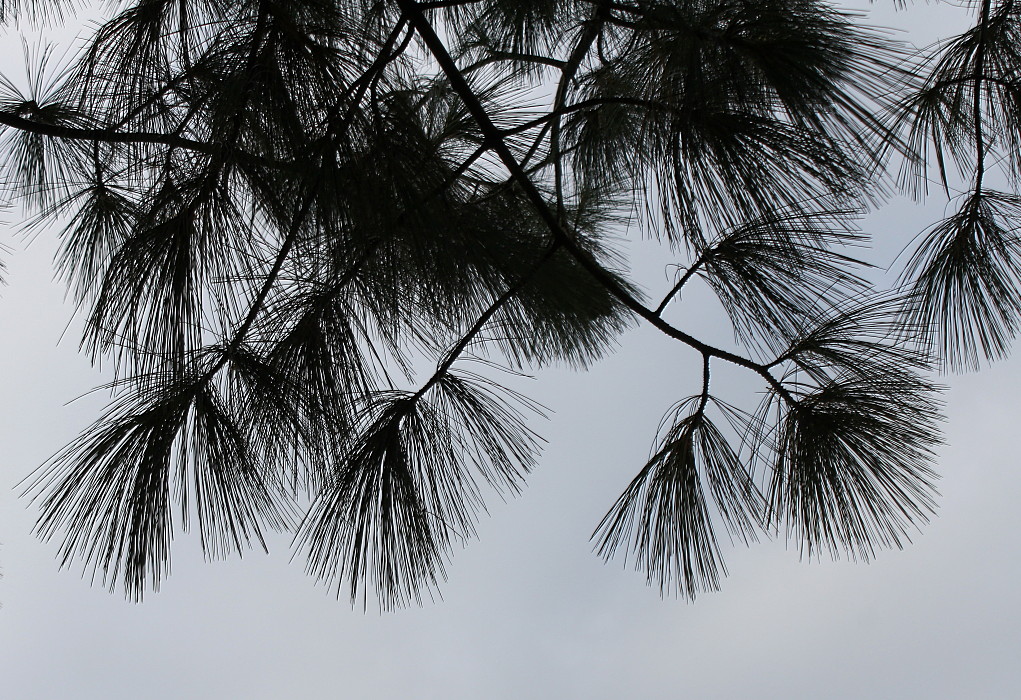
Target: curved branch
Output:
[(498, 56)]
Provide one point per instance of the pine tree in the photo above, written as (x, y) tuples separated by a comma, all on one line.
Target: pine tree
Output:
[(272, 212)]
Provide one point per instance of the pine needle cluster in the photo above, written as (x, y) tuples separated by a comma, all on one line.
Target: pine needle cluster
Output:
[(273, 214)]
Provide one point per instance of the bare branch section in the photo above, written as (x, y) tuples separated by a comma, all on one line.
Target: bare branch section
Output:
[(270, 213)]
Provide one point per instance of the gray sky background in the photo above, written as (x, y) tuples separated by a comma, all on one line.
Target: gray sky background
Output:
[(528, 610)]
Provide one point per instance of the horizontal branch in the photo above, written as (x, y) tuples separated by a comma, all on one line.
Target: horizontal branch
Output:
[(142, 137), (105, 135)]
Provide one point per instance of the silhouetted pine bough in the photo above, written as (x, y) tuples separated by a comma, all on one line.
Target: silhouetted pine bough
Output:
[(270, 212)]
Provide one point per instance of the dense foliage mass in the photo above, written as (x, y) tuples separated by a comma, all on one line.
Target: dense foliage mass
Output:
[(271, 210)]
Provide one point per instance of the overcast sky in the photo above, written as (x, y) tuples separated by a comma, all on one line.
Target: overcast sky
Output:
[(528, 611)]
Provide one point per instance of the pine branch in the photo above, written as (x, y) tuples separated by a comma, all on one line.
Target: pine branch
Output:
[(590, 32), (276, 206), (460, 85), (358, 89), (980, 52), (675, 290)]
